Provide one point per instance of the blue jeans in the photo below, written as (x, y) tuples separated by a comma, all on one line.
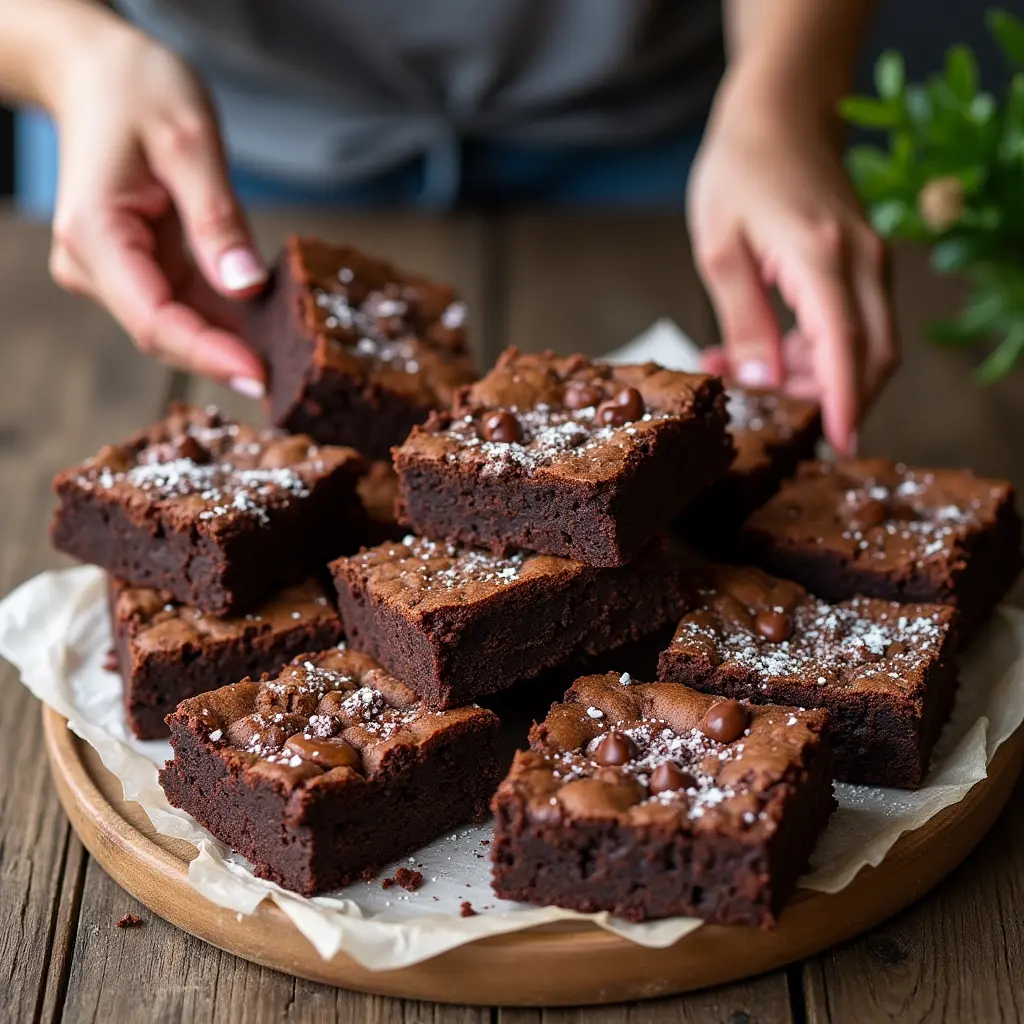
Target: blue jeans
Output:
[(477, 175)]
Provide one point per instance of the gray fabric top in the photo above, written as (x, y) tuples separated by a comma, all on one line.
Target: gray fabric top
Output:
[(331, 91)]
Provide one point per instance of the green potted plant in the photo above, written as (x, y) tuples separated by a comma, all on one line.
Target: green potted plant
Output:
[(952, 177)]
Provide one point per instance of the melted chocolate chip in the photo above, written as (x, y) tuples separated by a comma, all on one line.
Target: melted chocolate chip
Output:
[(579, 395), (189, 448), (774, 625), (334, 753), (614, 750), (863, 513), (502, 427), (668, 777), (725, 721), (895, 648), (625, 407)]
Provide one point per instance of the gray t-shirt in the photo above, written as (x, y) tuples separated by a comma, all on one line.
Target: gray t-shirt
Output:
[(331, 91)]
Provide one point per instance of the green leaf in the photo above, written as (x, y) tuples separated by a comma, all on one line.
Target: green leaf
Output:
[(982, 108), (866, 112), (888, 216), (956, 253), (919, 106), (872, 171), (890, 75), (984, 315), (1000, 362), (1008, 30), (962, 72)]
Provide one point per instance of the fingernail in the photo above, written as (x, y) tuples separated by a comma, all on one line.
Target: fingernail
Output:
[(239, 269), (754, 374), (248, 386)]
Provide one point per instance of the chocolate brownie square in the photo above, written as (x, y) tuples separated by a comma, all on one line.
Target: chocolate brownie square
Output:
[(651, 800), (168, 651), (882, 529), (329, 771), (216, 513), (564, 457), (884, 671), (455, 622), (772, 432), (358, 350)]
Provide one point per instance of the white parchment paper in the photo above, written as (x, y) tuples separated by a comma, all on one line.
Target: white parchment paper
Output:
[(55, 629)]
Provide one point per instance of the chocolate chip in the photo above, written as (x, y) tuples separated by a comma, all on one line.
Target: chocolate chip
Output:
[(614, 750), (579, 395), (863, 513), (625, 407), (668, 777), (334, 753), (774, 625), (502, 427), (895, 648), (113, 458), (725, 721), (189, 448)]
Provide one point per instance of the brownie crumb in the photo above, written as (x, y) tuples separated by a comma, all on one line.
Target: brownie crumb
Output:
[(408, 880), (466, 909), (129, 921), (111, 662), (485, 842)]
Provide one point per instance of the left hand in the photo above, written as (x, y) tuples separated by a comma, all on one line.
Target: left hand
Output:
[(770, 206)]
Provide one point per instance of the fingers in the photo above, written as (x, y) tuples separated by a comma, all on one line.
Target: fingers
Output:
[(750, 331), (187, 158), (814, 279), (127, 260)]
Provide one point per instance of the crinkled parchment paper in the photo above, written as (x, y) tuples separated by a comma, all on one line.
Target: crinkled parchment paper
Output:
[(55, 629)]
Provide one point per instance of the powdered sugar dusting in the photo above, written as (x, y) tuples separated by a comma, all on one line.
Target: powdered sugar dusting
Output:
[(435, 566)]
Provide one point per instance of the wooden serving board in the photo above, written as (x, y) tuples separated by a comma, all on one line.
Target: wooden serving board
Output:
[(552, 965)]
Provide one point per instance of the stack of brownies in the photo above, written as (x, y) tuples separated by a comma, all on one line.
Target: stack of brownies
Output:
[(317, 657)]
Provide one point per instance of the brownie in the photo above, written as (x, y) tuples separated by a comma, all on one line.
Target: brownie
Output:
[(218, 514), (357, 350), (378, 490), (651, 800), (772, 432), (167, 651), (455, 622), (885, 671), (564, 457), (882, 529), (329, 771)]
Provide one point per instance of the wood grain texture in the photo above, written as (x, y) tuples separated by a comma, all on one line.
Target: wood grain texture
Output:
[(68, 385), (763, 1000), (589, 283)]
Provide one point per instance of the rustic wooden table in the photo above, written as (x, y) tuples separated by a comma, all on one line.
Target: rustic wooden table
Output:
[(71, 382)]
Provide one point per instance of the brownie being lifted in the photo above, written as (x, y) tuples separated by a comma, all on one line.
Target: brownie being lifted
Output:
[(216, 513), (329, 771), (884, 671), (455, 623), (358, 350), (565, 457), (651, 800), (882, 529), (772, 432), (167, 651)]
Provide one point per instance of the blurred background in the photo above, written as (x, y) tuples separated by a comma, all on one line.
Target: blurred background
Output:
[(921, 29)]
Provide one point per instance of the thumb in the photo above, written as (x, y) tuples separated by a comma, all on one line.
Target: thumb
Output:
[(188, 160)]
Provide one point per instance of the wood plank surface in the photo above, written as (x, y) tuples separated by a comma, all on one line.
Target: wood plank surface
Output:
[(68, 385)]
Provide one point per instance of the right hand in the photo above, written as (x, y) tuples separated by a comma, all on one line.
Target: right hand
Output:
[(142, 170)]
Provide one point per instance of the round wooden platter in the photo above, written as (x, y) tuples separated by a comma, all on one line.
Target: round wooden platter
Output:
[(552, 965)]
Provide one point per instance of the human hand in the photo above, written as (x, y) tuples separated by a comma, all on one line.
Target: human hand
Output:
[(770, 206), (141, 171)]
